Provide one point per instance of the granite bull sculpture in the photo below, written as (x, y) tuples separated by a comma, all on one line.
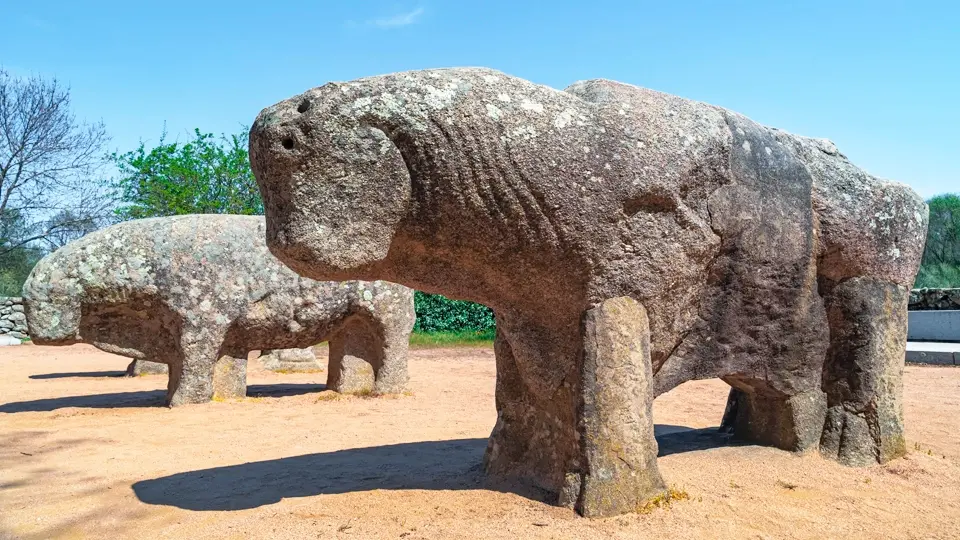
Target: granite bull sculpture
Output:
[(628, 241), (198, 292)]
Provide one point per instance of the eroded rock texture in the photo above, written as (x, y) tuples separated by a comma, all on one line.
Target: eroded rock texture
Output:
[(756, 256), (198, 292)]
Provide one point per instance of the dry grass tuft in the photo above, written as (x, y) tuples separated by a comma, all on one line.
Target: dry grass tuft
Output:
[(664, 500)]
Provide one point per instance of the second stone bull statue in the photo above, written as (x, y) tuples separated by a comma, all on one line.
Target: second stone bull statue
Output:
[(628, 241), (199, 292)]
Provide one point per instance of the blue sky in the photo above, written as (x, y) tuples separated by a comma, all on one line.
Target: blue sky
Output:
[(881, 79)]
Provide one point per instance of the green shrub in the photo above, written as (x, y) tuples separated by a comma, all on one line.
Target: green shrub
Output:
[(938, 276), (437, 313)]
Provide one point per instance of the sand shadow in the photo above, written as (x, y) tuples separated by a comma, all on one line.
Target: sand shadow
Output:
[(283, 390), (145, 398), (680, 439), (432, 465), (79, 374)]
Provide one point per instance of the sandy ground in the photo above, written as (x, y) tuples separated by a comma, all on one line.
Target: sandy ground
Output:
[(85, 453)]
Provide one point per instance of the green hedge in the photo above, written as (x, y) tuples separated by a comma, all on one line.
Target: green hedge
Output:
[(437, 313)]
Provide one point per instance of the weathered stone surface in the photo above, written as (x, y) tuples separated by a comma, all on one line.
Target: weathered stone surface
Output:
[(756, 254), (198, 293), (304, 360), (619, 471)]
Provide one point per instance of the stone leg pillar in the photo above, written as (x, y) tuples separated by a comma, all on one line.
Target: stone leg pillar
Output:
[(618, 469), (146, 367), (354, 358), (863, 378), (291, 360), (230, 376)]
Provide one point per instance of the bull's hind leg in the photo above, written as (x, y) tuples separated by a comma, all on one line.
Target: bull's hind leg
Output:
[(356, 352), (145, 367), (230, 376), (863, 376), (792, 423), (394, 342)]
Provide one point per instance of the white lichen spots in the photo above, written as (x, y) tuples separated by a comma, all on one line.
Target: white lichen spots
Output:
[(563, 119), (671, 113), (367, 295), (523, 132), (221, 319), (528, 105), (919, 217), (607, 166), (504, 98), (596, 179), (640, 144), (438, 98), (741, 132), (491, 78), (493, 111), (746, 146), (894, 252), (205, 305), (363, 103), (586, 149), (767, 150), (622, 112)]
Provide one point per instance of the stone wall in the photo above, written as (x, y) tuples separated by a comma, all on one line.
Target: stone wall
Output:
[(924, 299), (12, 320)]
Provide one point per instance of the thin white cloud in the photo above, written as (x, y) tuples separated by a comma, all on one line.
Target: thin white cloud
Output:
[(38, 23), (403, 19)]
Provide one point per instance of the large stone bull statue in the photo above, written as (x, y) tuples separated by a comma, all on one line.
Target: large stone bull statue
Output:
[(628, 241), (199, 292)]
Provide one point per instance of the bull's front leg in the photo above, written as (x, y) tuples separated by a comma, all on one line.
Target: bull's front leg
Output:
[(590, 438), (197, 364)]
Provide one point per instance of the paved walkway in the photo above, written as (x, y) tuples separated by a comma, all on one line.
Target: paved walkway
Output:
[(933, 352)]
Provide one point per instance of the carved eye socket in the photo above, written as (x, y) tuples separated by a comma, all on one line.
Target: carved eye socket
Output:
[(304, 106), (287, 143)]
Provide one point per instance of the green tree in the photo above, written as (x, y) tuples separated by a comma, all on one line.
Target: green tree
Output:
[(207, 175), (212, 176), (941, 257), (16, 257)]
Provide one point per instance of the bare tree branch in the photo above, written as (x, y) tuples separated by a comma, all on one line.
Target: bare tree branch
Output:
[(49, 161)]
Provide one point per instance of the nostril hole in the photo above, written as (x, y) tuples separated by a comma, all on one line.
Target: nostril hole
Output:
[(304, 106), (287, 143)]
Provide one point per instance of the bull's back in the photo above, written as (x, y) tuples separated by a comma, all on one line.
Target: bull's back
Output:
[(868, 227)]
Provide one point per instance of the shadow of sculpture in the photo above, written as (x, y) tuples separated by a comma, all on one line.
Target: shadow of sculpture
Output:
[(434, 465), (680, 439), (145, 398), (430, 465), (79, 374)]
